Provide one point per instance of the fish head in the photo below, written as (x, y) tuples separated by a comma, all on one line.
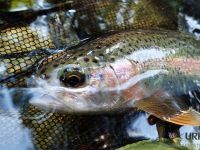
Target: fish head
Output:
[(84, 84)]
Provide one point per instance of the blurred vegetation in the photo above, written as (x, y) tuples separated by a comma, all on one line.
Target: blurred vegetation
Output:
[(13, 5), (175, 4), (7, 5), (154, 145)]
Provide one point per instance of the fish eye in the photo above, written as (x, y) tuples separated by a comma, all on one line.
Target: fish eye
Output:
[(72, 79)]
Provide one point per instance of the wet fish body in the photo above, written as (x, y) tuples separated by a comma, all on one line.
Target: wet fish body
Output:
[(146, 69)]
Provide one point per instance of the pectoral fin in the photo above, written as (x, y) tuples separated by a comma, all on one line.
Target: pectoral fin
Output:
[(169, 108), (189, 117)]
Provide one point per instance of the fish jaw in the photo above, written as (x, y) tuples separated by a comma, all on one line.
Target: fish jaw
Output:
[(87, 99)]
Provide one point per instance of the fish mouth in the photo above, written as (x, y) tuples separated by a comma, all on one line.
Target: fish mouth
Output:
[(68, 103), (57, 104), (51, 103), (48, 102)]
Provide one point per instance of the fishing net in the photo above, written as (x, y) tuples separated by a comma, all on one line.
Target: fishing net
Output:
[(28, 36)]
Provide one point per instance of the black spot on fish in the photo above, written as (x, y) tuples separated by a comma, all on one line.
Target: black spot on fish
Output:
[(101, 54), (98, 47), (112, 59), (128, 52), (137, 62), (95, 60), (80, 54), (86, 59)]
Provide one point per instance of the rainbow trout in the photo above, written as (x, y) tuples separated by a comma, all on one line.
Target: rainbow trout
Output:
[(26, 37), (148, 70)]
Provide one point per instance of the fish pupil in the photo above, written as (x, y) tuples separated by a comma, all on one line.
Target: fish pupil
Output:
[(73, 80)]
